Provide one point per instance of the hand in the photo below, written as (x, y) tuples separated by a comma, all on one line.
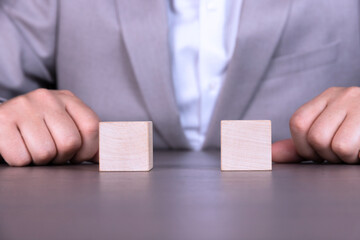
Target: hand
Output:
[(46, 126), (326, 128)]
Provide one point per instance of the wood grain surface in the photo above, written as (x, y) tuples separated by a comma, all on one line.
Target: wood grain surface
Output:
[(185, 196), (246, 145), (125, 146)]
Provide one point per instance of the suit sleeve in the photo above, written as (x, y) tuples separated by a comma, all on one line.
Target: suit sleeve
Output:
[(27, 46)]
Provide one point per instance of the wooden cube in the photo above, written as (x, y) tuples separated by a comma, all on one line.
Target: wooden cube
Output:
[(246, 145), (125, 146)]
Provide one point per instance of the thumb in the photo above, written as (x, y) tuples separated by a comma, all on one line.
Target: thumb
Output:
[(284, 152)]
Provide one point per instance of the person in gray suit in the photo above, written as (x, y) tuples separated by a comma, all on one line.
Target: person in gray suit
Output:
[(65, 65)]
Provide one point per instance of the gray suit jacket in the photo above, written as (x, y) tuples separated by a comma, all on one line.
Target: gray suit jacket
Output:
[(114, 56)]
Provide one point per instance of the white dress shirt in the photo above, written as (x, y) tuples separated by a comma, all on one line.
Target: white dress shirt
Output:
[(202, 36)]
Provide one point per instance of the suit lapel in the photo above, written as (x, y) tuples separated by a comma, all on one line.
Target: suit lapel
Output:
[(260, 27), (144, 27)]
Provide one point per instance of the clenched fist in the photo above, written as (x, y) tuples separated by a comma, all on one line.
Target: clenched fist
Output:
[(326, 128), (47, 126)]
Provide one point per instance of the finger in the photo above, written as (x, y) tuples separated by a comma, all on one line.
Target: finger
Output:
[(346, 142), (65, 135), (285, 152), (12, 146), (323, 130), (87, 123), (38, 140), (300, 124), (95, 159)]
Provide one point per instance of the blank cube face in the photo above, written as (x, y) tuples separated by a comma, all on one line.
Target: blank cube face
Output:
[(246, 145), (126, 146)]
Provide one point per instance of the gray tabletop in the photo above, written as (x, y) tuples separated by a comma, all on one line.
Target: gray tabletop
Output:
[(185, 196)]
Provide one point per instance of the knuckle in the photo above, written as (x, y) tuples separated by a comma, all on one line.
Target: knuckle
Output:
[(20, 162), (15, 108), (342, 149), (42, 96), (44, 156), (20, 102), (352, 92), (90, 127), (297, 123), (4, 117), (42, 93), (67, 92), (317, 140), (332, 89), (69, 145)]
